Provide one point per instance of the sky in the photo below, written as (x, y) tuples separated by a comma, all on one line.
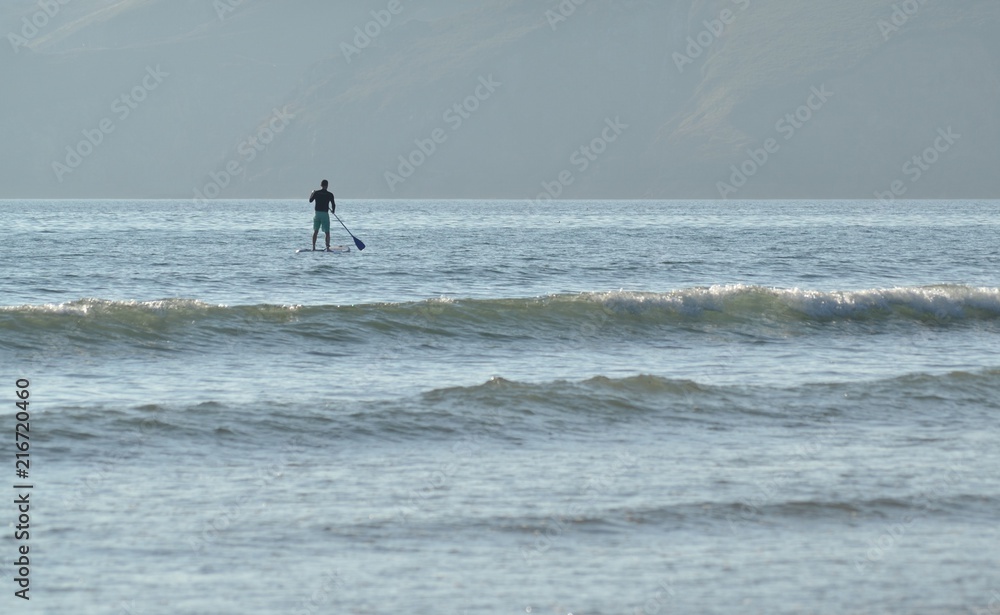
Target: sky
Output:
[(512, 99)]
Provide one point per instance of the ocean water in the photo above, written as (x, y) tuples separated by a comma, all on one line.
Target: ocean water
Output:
[(505, 407)]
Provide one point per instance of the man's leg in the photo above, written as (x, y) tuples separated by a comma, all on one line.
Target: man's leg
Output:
[(328, 240), (315, 235)]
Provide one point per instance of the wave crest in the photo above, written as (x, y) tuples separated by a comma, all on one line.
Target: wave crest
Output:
[(566, 315)]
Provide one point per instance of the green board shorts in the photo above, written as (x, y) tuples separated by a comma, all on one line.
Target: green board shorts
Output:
[(322, 220)]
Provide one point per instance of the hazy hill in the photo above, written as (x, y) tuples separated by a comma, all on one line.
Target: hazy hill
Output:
[(285, 93)]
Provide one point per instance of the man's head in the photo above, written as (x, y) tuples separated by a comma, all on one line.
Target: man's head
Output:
[(324, 183)]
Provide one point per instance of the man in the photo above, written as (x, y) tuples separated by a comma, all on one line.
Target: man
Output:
[(325, 204)]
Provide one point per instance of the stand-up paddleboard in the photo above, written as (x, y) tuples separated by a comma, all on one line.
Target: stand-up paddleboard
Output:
[(332, 250)]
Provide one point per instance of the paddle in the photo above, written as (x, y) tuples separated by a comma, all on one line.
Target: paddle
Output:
[(357, 242)]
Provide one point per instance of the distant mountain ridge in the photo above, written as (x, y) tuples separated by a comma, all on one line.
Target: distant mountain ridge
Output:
[(709, 94)]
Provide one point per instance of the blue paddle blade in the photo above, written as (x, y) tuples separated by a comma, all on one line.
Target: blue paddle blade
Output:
[(357, 242)]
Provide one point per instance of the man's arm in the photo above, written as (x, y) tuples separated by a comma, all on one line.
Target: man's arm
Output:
[(312, 197)]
